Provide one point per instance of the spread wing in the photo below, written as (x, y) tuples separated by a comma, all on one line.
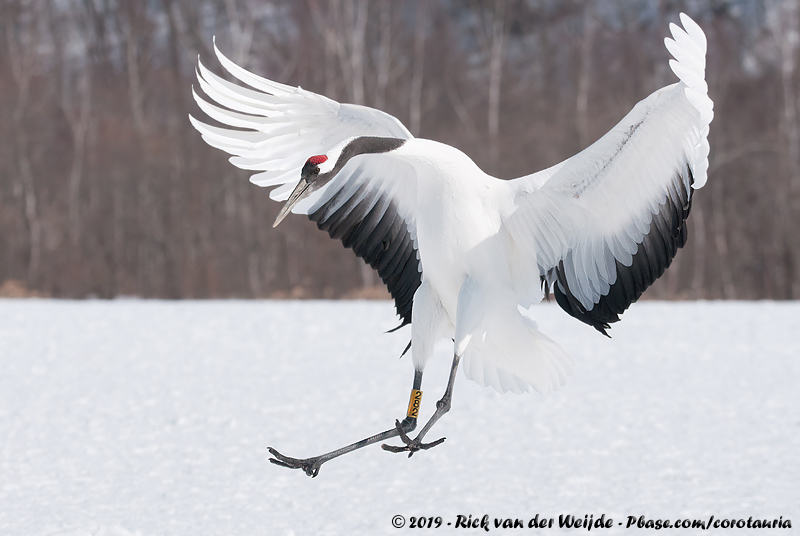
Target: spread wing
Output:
[(278, 127), (602, 226), (369, 207)]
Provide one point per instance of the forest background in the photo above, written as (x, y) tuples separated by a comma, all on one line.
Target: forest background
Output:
[(106, 190)]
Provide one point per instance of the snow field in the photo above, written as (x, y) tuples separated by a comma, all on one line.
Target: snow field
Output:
[(153, 418)]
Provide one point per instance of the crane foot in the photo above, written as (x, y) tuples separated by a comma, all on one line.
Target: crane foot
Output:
[(309, 465), (412, 445)]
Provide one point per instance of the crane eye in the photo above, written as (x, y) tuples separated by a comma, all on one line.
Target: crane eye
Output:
[(316, 170)]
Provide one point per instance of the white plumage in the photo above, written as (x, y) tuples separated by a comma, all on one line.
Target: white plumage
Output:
[(462, 251)]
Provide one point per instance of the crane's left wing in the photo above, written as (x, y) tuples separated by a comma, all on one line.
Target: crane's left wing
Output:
[(602, 226)]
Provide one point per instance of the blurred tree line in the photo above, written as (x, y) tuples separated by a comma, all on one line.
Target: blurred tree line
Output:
[(106, 190)]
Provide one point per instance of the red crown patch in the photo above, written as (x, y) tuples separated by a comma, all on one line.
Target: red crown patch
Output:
[(317, 160)]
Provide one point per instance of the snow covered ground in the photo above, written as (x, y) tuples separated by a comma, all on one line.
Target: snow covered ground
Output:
[(153, 418)]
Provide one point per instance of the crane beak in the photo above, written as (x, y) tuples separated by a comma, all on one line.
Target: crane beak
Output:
[(298, 194)]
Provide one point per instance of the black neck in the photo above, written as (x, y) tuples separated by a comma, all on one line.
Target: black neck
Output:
[(365, 145)]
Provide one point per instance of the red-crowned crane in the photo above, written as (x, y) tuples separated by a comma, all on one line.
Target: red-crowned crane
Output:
[(461, 251)]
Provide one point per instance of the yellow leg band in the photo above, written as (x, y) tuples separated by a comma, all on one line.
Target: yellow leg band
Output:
[(414, 403)]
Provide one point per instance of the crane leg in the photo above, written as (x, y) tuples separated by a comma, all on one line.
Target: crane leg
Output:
[(311, 465), (469, 312), (442, 407)]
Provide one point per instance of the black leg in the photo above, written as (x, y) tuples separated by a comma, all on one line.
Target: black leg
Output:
[(311, 465), (442, 407)]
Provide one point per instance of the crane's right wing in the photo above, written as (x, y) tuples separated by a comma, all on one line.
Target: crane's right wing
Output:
[(276, 128), (283, 125)]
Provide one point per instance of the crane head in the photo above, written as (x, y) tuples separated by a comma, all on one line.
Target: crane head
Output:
[(307, 184), (321, 169)]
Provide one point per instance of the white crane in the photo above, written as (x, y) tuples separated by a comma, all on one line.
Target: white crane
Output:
[(460, 251)]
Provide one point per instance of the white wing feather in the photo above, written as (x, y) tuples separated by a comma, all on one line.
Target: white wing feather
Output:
[(594, 209), (284, 125)]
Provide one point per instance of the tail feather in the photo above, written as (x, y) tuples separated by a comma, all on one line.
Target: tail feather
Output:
[(516, 357)]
